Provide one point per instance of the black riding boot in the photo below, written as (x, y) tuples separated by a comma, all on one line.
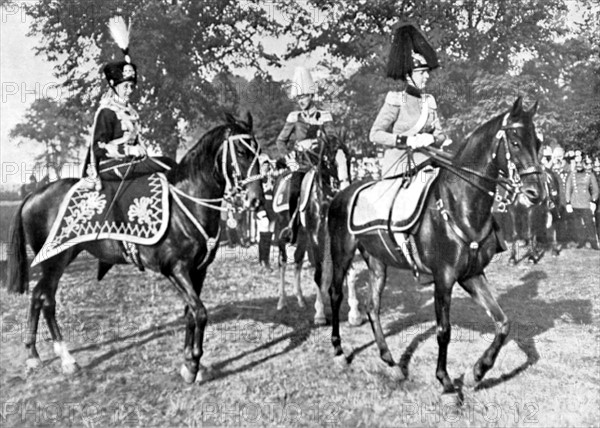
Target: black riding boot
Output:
[(264, 249)]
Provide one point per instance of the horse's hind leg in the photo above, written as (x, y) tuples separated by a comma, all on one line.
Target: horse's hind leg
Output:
[(378, 273), (43, 299), (479, 290), (299, 253), (355, 317)]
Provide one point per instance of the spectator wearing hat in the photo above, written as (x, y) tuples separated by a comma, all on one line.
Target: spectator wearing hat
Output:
[(581, 196), (408, 116), (116, 151)]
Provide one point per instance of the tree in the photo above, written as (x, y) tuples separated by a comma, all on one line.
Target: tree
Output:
[(490, 52), (178, 46), (56, 126)]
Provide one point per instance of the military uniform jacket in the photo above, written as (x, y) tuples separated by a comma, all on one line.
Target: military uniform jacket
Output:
[(582, 188), (302, 125), (402, 114)]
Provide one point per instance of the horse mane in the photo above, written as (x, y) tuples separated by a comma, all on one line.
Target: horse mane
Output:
[(485, 131), (198, 162)]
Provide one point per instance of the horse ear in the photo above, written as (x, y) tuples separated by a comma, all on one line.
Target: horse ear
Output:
[(249, 120), (229, 118), (533, 109), (517, 107)]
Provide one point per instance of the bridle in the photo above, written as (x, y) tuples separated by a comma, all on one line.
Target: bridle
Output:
[(234, 185), (511, 173)]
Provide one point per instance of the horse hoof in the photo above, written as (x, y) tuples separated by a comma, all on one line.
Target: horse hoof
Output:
[(450, 400), (397, 374), (32, 365), (468, 380), (341, 361), (281, 305), (320, 321), (355, 320), (70, 368), (187, 375), (205, 374)]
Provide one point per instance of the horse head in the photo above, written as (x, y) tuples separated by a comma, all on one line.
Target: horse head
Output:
[(225, 159), (239, 157), (329, 144), (518, 149)]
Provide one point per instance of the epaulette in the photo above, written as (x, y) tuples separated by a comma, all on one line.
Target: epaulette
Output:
[(430, 101), (394, 98), (293, 117)]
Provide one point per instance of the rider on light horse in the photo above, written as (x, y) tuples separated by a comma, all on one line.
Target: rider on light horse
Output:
[(408, 117)]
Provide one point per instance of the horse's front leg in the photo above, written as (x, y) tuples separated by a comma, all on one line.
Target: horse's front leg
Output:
[(282, 263), (479, 289), (444, 282), (196, 317), (298, 262)]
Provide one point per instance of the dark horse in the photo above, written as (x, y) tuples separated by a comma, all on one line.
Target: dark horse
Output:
[(536, 221), (310, 225), (456, 238), (226, 156)]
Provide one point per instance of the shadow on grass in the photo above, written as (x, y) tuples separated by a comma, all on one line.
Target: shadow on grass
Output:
[(298, 322), (530, 317)]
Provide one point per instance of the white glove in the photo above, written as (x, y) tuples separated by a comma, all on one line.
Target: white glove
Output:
[(593, 206), (305, 144), (137, 151), (290, 161), (569, 208), (419, 140)]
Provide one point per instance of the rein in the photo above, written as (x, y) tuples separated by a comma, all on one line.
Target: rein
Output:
[(233, 186), (511, 182)]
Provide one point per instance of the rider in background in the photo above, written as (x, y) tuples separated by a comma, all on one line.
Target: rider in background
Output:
[(408, 116), (116, 151), (301, 128)]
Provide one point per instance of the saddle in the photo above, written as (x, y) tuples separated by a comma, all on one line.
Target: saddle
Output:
[(305, 190), (139, 215), (393, 205), (281, 195)]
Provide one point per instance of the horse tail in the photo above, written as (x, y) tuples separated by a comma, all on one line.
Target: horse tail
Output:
[(18, 270)]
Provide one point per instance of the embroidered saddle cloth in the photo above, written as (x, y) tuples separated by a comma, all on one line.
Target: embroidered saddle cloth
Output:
[(379, 203), (140, 215)]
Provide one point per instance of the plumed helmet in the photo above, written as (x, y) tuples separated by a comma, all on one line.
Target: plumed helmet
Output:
[(120, 71), (410, 51), (302, 83)]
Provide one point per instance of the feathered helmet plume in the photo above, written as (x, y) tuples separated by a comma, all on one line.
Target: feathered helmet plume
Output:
[(410, 51), (120, 71)]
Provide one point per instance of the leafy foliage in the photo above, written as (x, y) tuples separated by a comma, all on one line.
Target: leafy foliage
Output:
[(490, 52), (178, 46)]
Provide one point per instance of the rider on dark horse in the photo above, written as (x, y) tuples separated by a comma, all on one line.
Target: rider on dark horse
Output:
[(116, 152), (408, 117), (300, 133)]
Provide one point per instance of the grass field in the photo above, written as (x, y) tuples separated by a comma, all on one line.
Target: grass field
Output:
[(274, 368)]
